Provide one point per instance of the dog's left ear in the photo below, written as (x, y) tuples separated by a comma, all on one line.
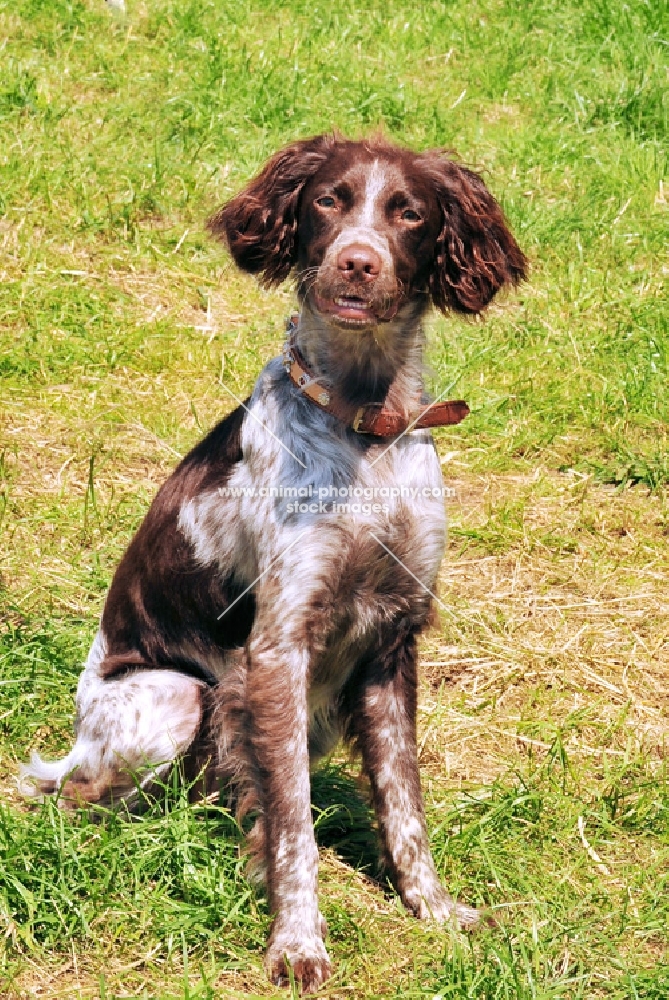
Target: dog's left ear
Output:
[(475, 252), (259, 224)]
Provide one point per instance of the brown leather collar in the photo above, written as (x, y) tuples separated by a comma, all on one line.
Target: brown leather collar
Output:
[(371, 418)]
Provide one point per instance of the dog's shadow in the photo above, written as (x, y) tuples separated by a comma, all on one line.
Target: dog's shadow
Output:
[(343, 819)]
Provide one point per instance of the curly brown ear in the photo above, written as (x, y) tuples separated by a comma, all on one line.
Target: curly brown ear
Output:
[(259, 224), (475, 252)]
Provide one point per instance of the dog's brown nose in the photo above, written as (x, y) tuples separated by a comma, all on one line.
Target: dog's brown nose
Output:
[(358, 262)]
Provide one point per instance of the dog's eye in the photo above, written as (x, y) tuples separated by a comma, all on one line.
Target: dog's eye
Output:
[(408, 215), (327, 201)]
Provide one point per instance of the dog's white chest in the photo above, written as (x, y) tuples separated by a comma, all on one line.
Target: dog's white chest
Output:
[(353, 520), (314, 518)]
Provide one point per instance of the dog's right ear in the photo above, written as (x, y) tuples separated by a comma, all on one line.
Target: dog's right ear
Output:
[(259, 224)]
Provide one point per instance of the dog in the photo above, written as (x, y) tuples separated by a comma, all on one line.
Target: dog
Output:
[(248, 633)]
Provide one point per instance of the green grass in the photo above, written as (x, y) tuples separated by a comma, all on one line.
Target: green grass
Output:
[(122, 327)]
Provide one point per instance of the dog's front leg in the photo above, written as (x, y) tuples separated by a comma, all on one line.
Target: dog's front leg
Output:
[(383, 720), (277, 701)]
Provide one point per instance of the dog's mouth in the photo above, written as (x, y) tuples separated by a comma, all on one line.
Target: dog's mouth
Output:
[(355, 311)]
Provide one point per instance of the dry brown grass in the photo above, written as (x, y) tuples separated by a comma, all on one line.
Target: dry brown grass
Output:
[(569, 615)]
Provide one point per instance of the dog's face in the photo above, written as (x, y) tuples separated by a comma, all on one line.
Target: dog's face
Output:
[(369, 227), (367, 231)]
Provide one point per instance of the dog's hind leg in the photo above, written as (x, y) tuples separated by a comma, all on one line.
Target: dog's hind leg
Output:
[(129, 730)]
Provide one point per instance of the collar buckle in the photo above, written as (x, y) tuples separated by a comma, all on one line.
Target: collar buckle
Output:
[(357, 419)]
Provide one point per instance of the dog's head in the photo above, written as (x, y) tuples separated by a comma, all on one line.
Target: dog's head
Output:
[(369, 227)]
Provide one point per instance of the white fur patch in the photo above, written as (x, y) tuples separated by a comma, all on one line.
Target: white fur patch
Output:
[(376, 180), (126, 727)]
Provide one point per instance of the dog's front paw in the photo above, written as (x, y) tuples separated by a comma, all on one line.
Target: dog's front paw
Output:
[(435, 904), (305, 956)]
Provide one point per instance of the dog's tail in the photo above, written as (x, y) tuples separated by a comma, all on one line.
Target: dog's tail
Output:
[(41, 777), (130, 731)]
